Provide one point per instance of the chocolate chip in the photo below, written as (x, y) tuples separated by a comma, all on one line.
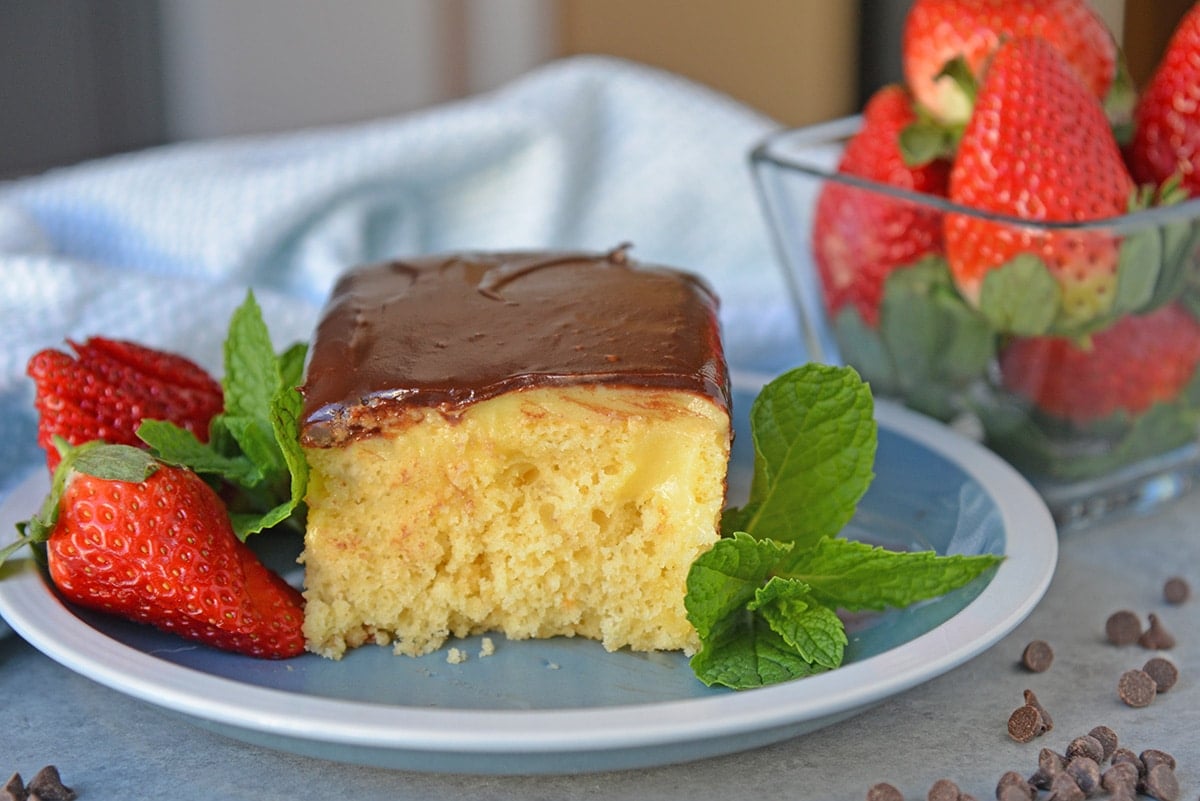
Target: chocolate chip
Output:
[(1014, 793), (1127, 756), (1161, 783), (1123, 793), (1107, 739), (1050, 764), (1025, 723), (1136, 688), (884, 792), (1013, 787), (1176, 590), (1152, 756), (1037, 657), (1163, 671), (1064, 788), (1123, 627), (1156, 638), (47, 785), (1086, 773), (1120, 774), (943, 790), (14, 789), (1032, 700), (1087, 746)]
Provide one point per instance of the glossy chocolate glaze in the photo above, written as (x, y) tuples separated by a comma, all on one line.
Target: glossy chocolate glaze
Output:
[(449, 331)]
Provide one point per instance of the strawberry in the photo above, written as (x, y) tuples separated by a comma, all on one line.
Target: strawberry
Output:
[(1166, 137), (859, 235), (938, 31), (111, 386), (131, 536), (1128, 367), (1038, 147)]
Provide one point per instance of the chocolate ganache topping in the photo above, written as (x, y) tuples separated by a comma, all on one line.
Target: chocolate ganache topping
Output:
[(449, 331)]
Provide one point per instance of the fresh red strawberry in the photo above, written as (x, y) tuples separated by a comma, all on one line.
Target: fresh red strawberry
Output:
[(1038, 147), (111, 386), (1127, 367), (860, 236), (130, 536), (938, 31), (1166, 137)]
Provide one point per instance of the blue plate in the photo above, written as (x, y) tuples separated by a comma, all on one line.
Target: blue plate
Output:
[(567, 705)]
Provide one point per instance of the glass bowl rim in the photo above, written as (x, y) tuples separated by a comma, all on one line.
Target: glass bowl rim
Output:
[(768, 153)]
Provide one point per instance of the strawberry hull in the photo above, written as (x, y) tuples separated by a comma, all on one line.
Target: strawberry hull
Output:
[(1114, 444)]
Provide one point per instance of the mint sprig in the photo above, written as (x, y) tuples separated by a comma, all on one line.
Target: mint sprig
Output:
[(253, 452), (764, 598)]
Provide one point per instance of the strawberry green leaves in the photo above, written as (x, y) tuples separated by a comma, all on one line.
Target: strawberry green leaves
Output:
[(253, 447), (1021, 296), (929, 138), (95, 458), (764, 598), (928, 346)]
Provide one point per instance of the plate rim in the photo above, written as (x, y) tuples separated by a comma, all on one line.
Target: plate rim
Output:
[(1031, 551)]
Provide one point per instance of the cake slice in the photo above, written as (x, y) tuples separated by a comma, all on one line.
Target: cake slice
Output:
[(527, 443)]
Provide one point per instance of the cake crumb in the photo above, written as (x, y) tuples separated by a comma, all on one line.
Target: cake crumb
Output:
[(486, 647), (455, 656), (551, 666)]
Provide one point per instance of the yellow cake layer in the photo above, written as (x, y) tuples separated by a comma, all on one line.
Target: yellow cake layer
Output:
[(543, 512)]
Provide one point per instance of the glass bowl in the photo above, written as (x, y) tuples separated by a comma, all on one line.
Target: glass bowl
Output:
[(1093, 394)]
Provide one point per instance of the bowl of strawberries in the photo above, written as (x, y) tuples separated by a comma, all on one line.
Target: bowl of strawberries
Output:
[(1010, 239)]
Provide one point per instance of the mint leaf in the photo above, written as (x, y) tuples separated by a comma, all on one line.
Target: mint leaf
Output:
[(251, 368), (178, 446), (286, 407), (815, 631), (291, 365), (856, 576), (262, 409), (725, 578), (255, 438), (253, 449), (745, 652), (814, 440)]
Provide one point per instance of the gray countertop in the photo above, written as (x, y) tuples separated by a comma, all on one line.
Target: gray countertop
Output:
[(109, 746)]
